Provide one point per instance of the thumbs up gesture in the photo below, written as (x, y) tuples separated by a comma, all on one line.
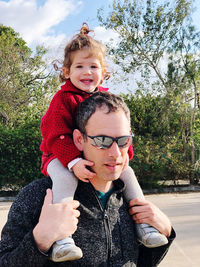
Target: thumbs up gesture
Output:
[(56, 222)]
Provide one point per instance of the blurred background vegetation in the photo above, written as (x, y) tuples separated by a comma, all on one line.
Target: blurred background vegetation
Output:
[(157, 40)]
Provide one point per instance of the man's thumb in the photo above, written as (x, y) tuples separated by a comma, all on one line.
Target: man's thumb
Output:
[(49, 197)]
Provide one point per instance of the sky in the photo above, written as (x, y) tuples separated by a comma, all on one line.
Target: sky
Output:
[(53, 22)]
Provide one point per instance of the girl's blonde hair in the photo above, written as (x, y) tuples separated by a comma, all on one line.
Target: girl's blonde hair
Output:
[(83, 41)]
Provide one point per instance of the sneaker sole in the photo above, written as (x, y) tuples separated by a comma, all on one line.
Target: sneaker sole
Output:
[(154, 245), (72, 255)]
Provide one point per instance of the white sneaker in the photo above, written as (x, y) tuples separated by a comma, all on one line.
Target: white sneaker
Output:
[(65, 250), (149, 236)]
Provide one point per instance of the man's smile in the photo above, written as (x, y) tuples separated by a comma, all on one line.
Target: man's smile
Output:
[(112, 166)]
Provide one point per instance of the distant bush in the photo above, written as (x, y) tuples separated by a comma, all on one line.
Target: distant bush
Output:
[(159, 151), (158, 160), (20, 156)]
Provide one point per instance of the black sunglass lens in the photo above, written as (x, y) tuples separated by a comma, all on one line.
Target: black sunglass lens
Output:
[(98, 141), (103, 141), (123, 141), (107, 142)]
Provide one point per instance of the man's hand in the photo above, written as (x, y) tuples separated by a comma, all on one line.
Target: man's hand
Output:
[(82, 172), (144, 211), (57, 221)]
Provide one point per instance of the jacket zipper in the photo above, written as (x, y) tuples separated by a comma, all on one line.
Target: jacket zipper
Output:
[(107, 228), (120, 233)]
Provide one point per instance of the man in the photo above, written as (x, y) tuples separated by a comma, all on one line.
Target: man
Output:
[(106, 231)]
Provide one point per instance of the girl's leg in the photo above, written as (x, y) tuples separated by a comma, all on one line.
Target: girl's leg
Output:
[(133, 189), (64, 182), (64, 187), (147, 235)]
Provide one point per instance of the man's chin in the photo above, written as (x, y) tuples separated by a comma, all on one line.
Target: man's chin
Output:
[(114, 177)]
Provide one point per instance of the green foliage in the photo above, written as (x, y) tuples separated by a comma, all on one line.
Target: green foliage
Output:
[(25, 80), (147, 31), (152, 116), (159, 159), (157, 40), (159, 150), (26, 87), (20, 156), (197, 131)]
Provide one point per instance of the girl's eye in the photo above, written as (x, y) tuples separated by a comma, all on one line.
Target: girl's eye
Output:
[(79, 66), (94, 67)]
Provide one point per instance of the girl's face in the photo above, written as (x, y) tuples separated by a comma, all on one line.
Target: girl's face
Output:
[(86, 72)]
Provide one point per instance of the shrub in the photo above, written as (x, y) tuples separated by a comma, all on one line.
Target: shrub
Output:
[(159, 159), (20, 156)]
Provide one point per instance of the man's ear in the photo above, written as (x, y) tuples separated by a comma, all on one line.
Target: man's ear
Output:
[(78, 139)]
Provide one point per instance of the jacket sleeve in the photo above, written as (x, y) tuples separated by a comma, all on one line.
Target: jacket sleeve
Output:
[(151, 257), (17, 245), (57, 129)]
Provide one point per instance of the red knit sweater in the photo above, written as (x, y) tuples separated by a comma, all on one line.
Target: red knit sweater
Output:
[(58, 123)]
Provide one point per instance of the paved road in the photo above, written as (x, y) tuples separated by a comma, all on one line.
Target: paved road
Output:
[(184, 212), (4, 207)]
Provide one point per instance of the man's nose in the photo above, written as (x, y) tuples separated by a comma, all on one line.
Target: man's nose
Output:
[(114, 150)]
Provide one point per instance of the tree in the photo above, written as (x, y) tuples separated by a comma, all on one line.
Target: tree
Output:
[(147, 31), (25, 80), (184, 79), (153, 35), (158, 148)]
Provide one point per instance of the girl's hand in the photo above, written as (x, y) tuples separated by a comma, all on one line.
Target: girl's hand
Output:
[(81, 170)]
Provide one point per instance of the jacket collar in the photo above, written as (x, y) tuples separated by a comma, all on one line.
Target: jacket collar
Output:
[(69, 87), (119, 186)]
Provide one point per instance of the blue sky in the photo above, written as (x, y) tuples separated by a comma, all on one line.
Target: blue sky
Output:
[(53, 22), (49, 21)]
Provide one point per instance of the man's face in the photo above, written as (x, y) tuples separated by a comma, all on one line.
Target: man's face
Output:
[(108, 163)]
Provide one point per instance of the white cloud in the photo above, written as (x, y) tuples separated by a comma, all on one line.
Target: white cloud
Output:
[(35, 22), (105, 35)]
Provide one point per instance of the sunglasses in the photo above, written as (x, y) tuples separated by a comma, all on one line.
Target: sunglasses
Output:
[(104, 142)]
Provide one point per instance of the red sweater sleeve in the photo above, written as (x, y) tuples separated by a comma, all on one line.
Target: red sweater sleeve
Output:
[(57, 127)]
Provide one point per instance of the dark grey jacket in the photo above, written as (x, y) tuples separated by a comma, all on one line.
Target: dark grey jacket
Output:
[(107, 237)]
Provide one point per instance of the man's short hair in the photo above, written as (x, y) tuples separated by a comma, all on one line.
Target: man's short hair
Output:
[(112, 102)]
